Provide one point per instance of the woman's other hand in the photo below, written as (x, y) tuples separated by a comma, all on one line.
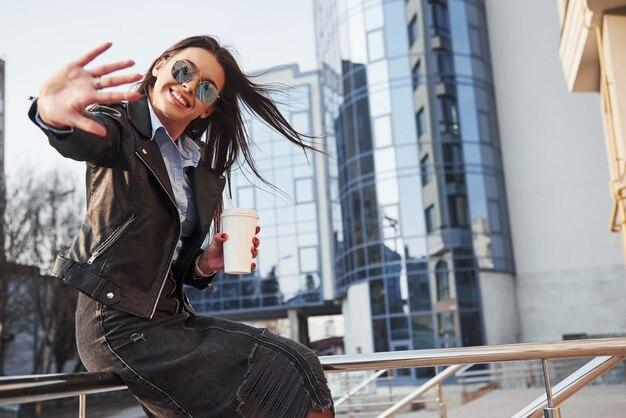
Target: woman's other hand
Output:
[(213, 258), (64, 97)]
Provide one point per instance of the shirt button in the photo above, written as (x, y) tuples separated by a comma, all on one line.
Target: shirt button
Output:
[(110, 295)]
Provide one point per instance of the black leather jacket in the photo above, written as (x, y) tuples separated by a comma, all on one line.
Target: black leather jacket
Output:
[(125, 246)]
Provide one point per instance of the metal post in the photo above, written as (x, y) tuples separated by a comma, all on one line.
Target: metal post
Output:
[(82, 406), (441, 403), (390, 384), (347, 383), (550, 411)]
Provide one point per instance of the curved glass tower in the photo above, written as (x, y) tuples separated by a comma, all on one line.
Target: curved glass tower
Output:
[(420, 215)]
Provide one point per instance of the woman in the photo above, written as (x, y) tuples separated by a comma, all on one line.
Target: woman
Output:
[(153, 191)]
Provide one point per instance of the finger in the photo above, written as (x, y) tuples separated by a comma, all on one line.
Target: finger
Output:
[(253, 266), (89, 125), (110, 68), (254, 252), (90, 56), (117, 96), (221, 237), (258, 229), (255, 242), (119, 80)]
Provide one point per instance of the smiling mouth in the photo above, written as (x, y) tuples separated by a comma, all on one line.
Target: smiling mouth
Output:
[(179, 99)]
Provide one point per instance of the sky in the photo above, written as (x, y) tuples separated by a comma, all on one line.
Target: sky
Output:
[(37, 37)]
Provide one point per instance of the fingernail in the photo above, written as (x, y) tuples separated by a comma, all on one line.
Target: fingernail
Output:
[(258, 228), (253, 265), (224, 236)]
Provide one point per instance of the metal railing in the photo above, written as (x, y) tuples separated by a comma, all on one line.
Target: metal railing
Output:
[(37, 388), (360, 386), (431, 383)]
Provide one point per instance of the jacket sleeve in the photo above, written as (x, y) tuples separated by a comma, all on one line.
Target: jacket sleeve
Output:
[(83, 146), (191, 279)]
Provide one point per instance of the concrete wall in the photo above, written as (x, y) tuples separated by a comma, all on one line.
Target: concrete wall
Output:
[(569, 266), (500, 311), (357, 316), (572, 301)]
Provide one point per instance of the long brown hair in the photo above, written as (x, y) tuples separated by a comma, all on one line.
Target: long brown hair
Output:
[(226, 136)]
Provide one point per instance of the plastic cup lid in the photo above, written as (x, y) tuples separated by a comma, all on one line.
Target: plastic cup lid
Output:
[(240, 212)]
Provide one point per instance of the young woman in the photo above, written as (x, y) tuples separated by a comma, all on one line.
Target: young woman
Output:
[(155, 177)]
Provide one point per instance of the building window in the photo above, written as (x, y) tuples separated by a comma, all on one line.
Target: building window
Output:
[(439, 15), (449, 122), (304, 190), (245, 197), (445, 66), (417, 68), (443, 281), (420, 122), (431, 221), (495, 219), (453, 163), (375, 45), (308, 258), (457, 208), (425, 170), (445, 325), (413, 34)]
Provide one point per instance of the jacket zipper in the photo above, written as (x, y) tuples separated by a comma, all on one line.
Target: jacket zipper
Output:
[(169, 261), (110, 240)]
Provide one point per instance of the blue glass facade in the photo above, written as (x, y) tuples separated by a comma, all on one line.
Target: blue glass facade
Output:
[(289, 272), (415, 199), (407, 91)]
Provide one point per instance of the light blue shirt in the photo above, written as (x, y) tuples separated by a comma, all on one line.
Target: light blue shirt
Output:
[(177, 156)]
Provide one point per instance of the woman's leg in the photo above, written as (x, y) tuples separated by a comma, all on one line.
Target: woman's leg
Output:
[(314, 413)]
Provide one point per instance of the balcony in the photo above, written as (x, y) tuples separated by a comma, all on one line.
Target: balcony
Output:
[(578, 48)]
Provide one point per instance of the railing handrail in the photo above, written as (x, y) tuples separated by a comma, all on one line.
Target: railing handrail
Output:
[(35, 388), (43, 387), (474, 355)]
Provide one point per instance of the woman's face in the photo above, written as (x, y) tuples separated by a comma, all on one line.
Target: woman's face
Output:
[(176, 103)]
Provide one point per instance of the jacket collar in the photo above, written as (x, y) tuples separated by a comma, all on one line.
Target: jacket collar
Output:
[(139, 116), (207, 183)]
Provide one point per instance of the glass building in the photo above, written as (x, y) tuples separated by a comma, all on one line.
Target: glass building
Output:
[(294, 267), (420, 212)]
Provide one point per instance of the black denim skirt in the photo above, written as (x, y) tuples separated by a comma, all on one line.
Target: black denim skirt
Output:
[(181, 365)]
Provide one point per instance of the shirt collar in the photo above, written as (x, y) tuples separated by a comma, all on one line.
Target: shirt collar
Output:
[(189, 150)]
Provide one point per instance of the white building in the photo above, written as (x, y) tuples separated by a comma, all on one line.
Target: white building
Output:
[(569, 268)]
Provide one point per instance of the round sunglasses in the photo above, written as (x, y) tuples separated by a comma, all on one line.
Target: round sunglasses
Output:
[(183, 71)]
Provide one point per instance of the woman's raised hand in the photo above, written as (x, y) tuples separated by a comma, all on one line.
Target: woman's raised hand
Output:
[(64, 97)]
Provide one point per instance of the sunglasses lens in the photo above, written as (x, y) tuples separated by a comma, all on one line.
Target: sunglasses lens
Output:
[(182, 71), (206, 92)]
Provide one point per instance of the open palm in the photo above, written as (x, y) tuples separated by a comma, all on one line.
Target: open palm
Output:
[(64, 97)]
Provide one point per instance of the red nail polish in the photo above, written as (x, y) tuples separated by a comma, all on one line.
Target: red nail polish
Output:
[(223, 235)]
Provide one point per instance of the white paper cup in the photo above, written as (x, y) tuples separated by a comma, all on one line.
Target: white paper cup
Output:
[(240, 225)]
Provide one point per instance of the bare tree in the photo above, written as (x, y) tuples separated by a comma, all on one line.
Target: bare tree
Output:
[(42, 216)]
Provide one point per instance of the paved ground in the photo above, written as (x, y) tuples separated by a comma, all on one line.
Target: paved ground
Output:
[(607, 401)]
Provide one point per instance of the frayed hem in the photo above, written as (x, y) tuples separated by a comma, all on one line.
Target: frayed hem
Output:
[(274, 387)]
